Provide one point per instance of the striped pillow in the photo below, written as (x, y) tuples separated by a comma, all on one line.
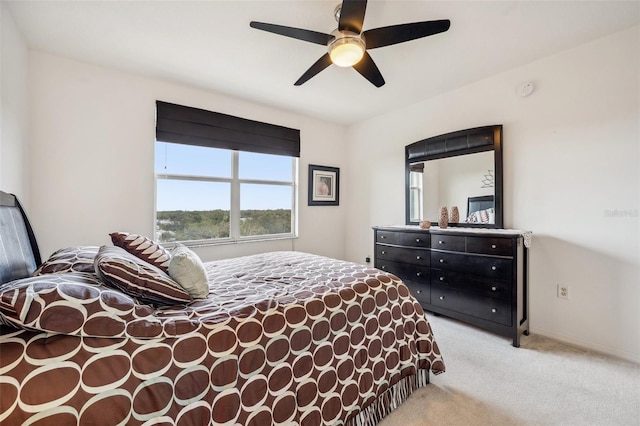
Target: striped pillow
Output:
[(144, 248), (482, 216), (121, 270)]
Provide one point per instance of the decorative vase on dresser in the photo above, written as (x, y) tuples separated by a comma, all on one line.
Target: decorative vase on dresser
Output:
[(455, 215), (478, 276), (443, 222)]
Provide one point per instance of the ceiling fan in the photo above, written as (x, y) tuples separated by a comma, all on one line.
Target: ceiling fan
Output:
[(348, 44)]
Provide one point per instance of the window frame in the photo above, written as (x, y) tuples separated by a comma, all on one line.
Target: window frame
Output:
[(235, 183), (415, 190)]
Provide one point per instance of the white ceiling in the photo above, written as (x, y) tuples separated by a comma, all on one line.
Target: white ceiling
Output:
[(209, 44)]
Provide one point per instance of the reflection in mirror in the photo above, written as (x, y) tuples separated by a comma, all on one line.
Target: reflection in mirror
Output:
[(416, 203), (464, 181), (462, 169)]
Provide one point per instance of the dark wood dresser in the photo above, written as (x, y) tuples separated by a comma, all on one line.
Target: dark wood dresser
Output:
[(476, 276)]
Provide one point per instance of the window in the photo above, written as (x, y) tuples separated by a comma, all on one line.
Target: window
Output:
[(218, 194), (415, 194), (222, 178)]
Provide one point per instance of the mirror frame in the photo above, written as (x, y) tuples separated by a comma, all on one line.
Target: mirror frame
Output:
[(462, 142)]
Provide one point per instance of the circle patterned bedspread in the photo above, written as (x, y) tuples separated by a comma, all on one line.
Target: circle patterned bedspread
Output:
[(282, 338)]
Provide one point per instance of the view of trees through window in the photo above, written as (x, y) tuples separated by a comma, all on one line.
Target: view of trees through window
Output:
[(180, 225), (209, 193)]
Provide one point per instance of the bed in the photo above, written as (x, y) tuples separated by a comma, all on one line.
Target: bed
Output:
[(281, 338)]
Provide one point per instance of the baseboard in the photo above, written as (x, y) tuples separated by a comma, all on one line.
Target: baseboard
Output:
[(590, 346)]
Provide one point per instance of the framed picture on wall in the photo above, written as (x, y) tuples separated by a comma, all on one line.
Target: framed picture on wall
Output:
[(324, 185)]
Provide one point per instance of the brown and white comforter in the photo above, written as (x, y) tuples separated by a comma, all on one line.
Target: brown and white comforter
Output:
[(283, 338)]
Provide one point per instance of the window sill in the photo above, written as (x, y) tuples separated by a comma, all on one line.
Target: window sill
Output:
[(229, 241)]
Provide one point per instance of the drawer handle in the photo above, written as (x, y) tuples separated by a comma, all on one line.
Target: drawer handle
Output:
[(494, 310), (417, 240), (418, 274), (493, 268), (493, 288), (441, 278), (383, 252), (441, 260), (441, 297), (493, 246), (418, 258), (384, 267), (418, 291), (440, 242), (382, 237)]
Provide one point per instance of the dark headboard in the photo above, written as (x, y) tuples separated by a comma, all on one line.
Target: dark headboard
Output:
[(475, 204), (19, 254)]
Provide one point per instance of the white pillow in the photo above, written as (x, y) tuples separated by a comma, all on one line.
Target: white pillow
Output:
[(186, 268)]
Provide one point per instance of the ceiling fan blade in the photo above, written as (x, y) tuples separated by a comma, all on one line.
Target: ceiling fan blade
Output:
[(352, 15), (394, 34), (320, 65), (297, 33), (368, 69)]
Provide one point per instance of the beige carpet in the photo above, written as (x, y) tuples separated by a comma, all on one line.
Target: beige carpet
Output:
[(544, 382)]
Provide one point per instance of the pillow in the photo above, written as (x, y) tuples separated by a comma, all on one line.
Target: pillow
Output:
[(69, 259), (137, 278), (188, 270), (482, 216), (73, 303), (144, 248)]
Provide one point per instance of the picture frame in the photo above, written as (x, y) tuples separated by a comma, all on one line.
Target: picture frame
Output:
[(324, 185)]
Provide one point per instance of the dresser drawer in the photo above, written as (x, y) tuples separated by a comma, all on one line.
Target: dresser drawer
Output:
[(413, 256), (495, 246), (416, 278), (488, 287), (413, 239), (404, 271), (496, 310), (448, 242), (422, 292), (386, 237), (484, 266)]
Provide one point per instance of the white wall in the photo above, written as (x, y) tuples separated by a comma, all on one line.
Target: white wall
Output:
[(93, 133), (571, 161), (14, 110)]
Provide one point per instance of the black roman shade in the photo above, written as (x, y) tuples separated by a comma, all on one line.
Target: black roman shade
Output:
[(416, 167), (193, 126)]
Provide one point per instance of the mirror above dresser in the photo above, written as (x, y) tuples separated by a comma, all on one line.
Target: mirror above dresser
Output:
[(462, 169)]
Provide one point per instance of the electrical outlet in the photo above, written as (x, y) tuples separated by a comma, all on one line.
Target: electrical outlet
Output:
[(563, 291), (368, 259)]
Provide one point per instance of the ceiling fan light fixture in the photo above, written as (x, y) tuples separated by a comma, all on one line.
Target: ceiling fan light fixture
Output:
[(346, 51), (348, 45)]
